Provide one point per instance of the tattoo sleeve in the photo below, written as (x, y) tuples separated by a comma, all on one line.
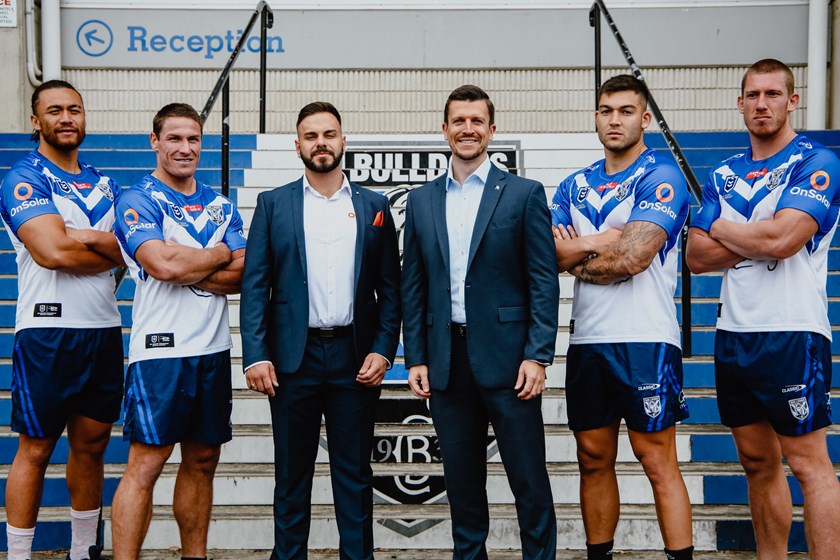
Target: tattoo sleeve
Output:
[(628, 256)]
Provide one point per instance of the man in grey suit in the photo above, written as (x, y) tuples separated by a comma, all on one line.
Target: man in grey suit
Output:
[(480, 295)]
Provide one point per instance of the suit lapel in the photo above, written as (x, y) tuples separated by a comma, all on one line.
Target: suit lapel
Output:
[(489, 198), (439, 216), (297, 219), (361, 222)]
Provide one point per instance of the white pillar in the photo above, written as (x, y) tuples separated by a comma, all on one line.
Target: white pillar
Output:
[(817, 64), (50, 40)]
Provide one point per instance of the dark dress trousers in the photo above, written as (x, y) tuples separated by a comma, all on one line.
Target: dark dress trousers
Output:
[(317, 375), (511, 298)]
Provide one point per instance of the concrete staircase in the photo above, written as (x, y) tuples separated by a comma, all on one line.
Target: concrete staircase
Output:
[(411, 510)]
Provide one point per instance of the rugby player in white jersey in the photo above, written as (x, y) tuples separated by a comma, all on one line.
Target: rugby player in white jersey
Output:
[(617, 224), (767, 219), (185, 247), (67, 362)]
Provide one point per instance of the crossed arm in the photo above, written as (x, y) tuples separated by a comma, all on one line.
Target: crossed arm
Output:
[(178, 264), (55, 247), (610, 256)]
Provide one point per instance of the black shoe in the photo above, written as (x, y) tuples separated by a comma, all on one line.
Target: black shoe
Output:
[(94, 553)]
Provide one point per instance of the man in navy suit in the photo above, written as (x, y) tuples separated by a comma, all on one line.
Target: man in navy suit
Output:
[(320, 323), (481, 295)]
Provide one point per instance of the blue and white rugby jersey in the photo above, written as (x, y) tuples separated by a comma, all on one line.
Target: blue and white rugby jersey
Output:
[(640, 309), (776, 295), (170, 320), (33, 187)]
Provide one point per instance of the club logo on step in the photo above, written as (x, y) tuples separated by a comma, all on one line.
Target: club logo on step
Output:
[(799, 408), (653, 406)]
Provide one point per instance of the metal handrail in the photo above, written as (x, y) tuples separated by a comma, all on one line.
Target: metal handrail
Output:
[(263, 11), (598, 8)]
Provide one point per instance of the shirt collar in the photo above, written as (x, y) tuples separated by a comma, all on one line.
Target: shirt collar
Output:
[(345, 185), (481, 173)]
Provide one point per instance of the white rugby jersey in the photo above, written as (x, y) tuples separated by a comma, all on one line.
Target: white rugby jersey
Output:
[(170, 320), (33, 187), (640, 309), (776, 295)]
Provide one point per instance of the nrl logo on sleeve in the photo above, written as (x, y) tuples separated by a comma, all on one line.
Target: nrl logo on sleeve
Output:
[(653, 406), (799, 408)]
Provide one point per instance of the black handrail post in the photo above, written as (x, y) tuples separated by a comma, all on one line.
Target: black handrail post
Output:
[(685, 299), (595, 21), (226, 138), (266, 22)]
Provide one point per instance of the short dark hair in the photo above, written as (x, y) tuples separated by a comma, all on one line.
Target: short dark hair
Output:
[(175, 110), (469, 93), (624, 82), (769, 66), (317, 107), (51, 84)]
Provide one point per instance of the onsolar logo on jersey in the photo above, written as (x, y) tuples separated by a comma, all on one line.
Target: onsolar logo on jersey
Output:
[(23, 191), (820, 180), (664, 193), (131, 216)]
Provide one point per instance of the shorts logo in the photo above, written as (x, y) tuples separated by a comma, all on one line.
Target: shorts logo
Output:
[(730, 183), (47, 310), (160, 340), (792, 388), (23, 191), (664, 193), (820, 180), (216, 213), (648, 387), (131, 216), (653, 406), (799, 408)]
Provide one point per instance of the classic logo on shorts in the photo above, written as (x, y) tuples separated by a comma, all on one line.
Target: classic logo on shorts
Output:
[(792, 388), (653, 406), (131, 216), (820, 180), (648, 387), (23, 191), (664, 193), (216, 213), (799, 408)]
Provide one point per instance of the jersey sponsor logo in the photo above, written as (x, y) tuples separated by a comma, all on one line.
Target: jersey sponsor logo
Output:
[(23, 191), (820, 180), (193, 207), (131, 216), (775, 178), (729, 184), (648, 387), (26, 204), (659, 207), (653, 406), (756, 173), (791, 388), (610, 185), (799, 408), (160, 340), (809, 193), (82, 186), (664, 193), (217, 214), (47, 310)]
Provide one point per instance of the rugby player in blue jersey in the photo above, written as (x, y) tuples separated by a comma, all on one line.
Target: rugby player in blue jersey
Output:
[(185, 247), (617, 224), (67, 362), (767, 219)]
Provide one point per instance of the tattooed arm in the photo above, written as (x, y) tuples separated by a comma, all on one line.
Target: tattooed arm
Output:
[(630, 255)]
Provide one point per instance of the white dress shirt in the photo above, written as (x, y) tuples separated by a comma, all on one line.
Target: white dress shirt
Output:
[(462, 203), (329, 228)]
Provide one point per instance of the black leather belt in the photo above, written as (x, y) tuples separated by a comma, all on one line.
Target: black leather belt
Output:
[(331, 332), (460, 329)]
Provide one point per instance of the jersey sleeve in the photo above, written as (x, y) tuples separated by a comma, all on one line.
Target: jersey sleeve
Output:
[(661, 197), (710, 206), (235, 233), (813, 185), (560, 213), (139, 219), (24, 195)]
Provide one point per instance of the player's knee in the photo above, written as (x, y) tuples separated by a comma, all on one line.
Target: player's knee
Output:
[(660, 468), (35, 451), (757, 463), (201, 460), (810, 471), (591, 461)]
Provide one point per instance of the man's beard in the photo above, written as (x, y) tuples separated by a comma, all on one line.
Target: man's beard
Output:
[(52, 139), (310, 164)]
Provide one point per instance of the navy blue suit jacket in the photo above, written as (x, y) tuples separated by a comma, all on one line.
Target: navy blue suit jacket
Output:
[(274, 306), (511, 288)]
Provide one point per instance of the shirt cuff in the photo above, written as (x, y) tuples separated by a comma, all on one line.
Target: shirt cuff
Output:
[(387, 361), (543, 364), (255, 364)]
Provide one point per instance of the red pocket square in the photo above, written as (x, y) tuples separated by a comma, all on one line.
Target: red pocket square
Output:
[(379, 219)]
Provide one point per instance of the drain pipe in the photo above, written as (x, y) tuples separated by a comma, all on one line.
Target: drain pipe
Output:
[(51, 39), (32, 69), (817, 64)]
